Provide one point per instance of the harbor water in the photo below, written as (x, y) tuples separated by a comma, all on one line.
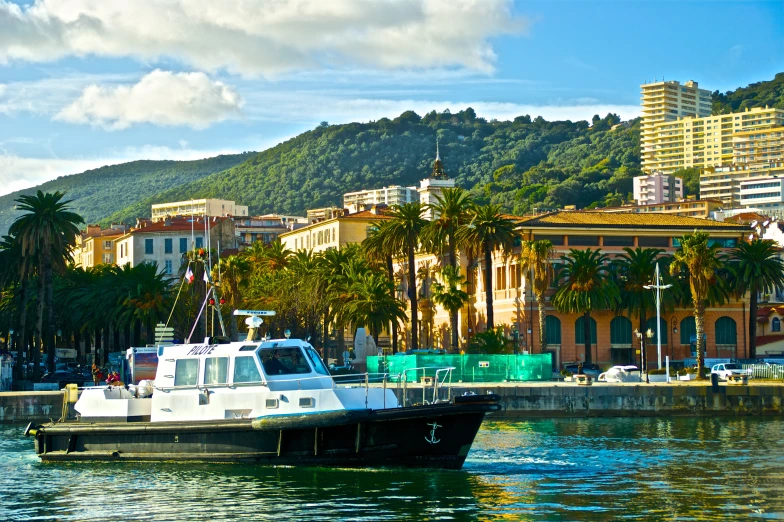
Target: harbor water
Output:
[(559, 469)]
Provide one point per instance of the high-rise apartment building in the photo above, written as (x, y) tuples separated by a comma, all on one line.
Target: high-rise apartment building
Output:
[(657, 188), (394, 195), (667, 101), (198, 207)]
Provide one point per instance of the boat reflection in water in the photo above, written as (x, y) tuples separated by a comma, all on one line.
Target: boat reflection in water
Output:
[(267, 402)]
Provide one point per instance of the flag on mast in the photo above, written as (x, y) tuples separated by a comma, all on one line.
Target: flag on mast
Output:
[(189, 275), (206, 276)]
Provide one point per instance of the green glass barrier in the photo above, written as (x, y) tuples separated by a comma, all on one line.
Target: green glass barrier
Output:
[(468, 368)]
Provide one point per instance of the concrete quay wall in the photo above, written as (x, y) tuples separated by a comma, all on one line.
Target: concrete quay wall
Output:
[(36, 406), (623, 400)]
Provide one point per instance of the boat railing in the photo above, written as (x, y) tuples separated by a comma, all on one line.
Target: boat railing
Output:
[(440, 377)]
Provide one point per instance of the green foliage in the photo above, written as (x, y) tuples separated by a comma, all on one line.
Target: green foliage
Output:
[(760, 94), (490, 342), (99, 194), (691, 180)]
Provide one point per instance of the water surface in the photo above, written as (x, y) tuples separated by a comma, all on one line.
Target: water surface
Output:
[(586, 469)]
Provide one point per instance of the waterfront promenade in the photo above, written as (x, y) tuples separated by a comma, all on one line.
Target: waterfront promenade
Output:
[(534, 399)]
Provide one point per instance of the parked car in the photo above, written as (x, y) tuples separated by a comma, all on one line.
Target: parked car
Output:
[(63, 377), (724, 370), (628, 373), (592, 370)]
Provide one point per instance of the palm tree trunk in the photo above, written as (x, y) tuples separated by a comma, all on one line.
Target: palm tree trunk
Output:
[(391, 275), (587, 336), (699, 323), (80, 349), (22, 326), (753, 323), (137, 333), (489, 286), (116, 338), (542, 324), (99, 355), (49, 329), (412, 296), (453, 313)]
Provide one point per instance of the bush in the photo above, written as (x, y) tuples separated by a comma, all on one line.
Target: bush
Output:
[(566, 373)]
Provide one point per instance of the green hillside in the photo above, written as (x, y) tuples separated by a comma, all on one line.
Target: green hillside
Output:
[(497, 160), (759, 94), (100, 192)]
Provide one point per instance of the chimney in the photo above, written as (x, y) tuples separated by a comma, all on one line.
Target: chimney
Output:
[(167, 222), (93, 229)]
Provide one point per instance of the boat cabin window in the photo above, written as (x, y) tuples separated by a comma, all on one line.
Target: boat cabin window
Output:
[(186, 372), (283, 361), (245, 370), (316, 361), (216, 370)]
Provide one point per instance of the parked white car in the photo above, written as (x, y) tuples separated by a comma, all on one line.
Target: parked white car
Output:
[(628, 373), (724, 370)]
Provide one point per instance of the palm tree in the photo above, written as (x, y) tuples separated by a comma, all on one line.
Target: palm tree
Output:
[(378, 247), (232, 276), (701, 262), (488, 231), (585, 286), (372, 303), (404, 228), (453, 208), (276, 256), (15, 269), (449, 294), (634, 270), (47, 230), (536, 259), (756, 268)]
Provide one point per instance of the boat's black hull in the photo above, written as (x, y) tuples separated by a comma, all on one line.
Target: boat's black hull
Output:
[(436, 436)]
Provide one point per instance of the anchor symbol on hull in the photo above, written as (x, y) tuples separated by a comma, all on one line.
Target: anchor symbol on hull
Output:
[(433, 439)]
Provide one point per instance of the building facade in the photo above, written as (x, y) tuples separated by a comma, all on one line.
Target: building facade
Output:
[(96, 247), (657, 188), (166, 242), (612, 337), (393, 195), (664, 102), (198, 207), (702, 208), (335, 232), (265, 228)]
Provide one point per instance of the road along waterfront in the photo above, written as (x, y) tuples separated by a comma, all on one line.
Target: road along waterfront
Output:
[(543, 469)]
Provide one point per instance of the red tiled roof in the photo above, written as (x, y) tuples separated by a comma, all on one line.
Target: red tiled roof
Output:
[(179, 225)]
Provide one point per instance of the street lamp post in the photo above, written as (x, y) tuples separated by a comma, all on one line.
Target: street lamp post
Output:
[(658, 287), (644, 356)]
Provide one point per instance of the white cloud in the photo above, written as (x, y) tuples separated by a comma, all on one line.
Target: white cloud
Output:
[(160, 98), (258, 37), (17, 173), (309, 108)]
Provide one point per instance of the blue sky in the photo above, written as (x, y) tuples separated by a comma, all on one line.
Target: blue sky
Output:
[(84, 83)]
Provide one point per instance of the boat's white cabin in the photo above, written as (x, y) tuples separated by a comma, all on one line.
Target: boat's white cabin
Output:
[(240, 380)]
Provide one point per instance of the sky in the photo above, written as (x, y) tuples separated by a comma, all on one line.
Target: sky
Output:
[(86, 83)]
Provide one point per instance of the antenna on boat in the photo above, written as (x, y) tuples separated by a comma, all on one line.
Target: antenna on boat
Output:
[(254, 321)]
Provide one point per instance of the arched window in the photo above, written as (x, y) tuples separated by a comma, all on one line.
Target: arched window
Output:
[(651, 323), (552, 329), (726, 332), (688, 330), (775, 325), (579, 332), (621, 331)]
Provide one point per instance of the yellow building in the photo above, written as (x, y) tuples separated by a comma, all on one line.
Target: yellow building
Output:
[(516, 310), (706, 142), (702, 208), (334, 232), (667, 101), (96, 247)]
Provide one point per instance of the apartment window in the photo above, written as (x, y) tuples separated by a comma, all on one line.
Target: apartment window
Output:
[(107, 259), (168, 245), (107, 245), (555, 240), (644, 241), (148, 246), (167, 266), (618, 241), (183, 245), (500, 278), (583, 240), (199, 242)]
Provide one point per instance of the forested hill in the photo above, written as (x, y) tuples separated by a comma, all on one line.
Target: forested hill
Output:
[(521, 163), (98, 193), (759, 94)]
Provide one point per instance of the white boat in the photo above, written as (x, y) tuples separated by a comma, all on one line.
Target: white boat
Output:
[(270, 401)]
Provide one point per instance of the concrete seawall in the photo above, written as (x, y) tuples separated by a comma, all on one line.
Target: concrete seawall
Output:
[(530, 400), (623, 400), (30, 406)]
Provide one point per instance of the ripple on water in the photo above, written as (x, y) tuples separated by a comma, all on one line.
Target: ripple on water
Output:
[(586, 469)]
